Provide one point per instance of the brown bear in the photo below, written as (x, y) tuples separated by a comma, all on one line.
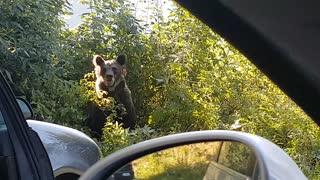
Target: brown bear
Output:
[(110, 77)]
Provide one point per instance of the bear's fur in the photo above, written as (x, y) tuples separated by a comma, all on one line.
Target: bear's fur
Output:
[(110, 77)]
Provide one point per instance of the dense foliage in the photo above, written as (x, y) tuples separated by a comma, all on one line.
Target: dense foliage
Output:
[(183, 76)]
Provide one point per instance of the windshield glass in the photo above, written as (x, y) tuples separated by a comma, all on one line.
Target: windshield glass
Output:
[(124, 71)]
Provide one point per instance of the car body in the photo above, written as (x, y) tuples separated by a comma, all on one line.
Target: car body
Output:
[(71, 152), (279, 37), (60, 152)]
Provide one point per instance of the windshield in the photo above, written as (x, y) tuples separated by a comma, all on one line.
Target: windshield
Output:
[(124, 71)]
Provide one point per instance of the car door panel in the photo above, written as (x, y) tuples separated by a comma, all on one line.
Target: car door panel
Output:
[(32, 161)]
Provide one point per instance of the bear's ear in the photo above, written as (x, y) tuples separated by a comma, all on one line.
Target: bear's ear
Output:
[(97, 60), (121, 59)]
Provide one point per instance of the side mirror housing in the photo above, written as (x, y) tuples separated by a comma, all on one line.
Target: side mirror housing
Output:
[(271, 161), (25, 108)]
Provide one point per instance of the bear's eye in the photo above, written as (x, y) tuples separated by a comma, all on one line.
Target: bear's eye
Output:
[(104, 70), (114, 69)]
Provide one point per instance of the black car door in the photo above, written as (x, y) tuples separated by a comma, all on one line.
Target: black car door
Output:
[(22, 155)]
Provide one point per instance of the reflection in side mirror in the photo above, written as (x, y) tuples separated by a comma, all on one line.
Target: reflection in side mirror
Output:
[(25, 108), (203, 161)]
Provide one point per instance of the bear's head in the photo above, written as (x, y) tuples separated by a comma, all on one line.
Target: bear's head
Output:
[(109, 72)]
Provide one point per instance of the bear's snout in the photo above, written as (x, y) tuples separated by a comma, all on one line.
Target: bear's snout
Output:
[(109, 77)]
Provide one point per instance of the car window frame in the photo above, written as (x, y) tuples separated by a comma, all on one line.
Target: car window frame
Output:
[(30, 154), (291, 76)]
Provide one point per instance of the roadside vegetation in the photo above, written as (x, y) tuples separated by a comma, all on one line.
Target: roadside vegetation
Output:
[(183, 162), (183, 76)]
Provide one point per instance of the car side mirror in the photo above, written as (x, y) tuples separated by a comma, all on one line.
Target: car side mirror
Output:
[(25, 108), (206, 155)]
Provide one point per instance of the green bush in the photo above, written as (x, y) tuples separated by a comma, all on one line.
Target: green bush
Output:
[(115, 137), (183, 76)]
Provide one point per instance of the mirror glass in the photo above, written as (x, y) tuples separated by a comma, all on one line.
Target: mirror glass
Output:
[(25, 108), (205, 161)]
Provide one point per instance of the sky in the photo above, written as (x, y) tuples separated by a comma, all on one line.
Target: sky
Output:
[(141, 6), (78, 9)]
